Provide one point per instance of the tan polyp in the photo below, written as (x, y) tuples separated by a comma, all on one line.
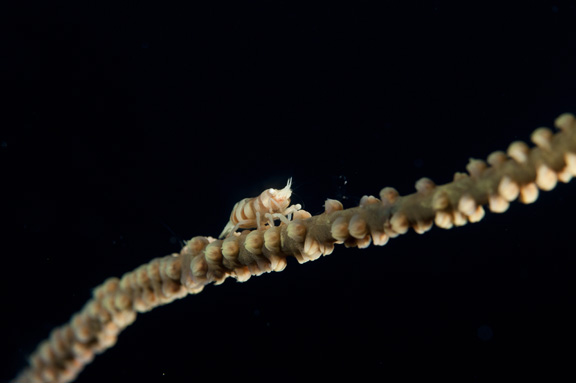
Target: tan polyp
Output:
[(508, 189), (546, 178), (497, 203), (399, 223), (379, 238), (312, 250), (339, 229), (519, 151), (459, 176), (242, 274), (332, 205), (368, 200), (301, 215), (570, 160), (81, 330), (424, 185), (49, 375), (459, 219), (277, 261), (497, 158), (272, 239), (422, 227), (477, 215), (197, 244), (109, 286), (467, 205), (476, 167), (230, 249), (542, 137), (82, 352), (388, 230), (254, 242), (47, 355), (213, 253), (122, 301), (363, 243), (529, 193), (443, 220), (198, 267), (357, 227), (388, 195), (296, 231), (173, 267), (57, 343), (155, 281), (565, 122), (440, 200)]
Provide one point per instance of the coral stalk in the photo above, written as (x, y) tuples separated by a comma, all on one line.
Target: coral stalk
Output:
[(504, 177)]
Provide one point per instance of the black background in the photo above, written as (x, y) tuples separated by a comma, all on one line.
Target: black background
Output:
[(127, 127)]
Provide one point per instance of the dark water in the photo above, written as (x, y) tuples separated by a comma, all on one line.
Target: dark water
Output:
[(130, 128)]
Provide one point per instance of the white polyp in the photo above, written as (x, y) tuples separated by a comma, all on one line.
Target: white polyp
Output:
[(424, 185), (310, 245), (339, 229), (242, 274), (379, 238), (278, 263), (564, 175), (422, 227), (399, 223), (529, 193), (570, 159), (497, 203), (519, 151), (313, 251), (328, 248), (332, 205), (363, 243), (467, 205), (542, 137), (459, 219), (508, 189), (477, 215), (546, 178), (357, 227), (443, 220)]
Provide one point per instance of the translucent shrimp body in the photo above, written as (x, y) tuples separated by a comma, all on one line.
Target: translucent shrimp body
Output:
[(270, 204)]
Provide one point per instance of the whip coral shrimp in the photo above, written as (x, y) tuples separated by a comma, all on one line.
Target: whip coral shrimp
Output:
[(271, 204)]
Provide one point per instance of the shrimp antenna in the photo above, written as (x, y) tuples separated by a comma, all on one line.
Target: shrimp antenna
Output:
[(285, 192)]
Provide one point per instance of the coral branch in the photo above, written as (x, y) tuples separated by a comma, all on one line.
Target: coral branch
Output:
[(504, 177)]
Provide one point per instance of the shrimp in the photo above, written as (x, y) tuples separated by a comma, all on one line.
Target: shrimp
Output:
[(272, 204)]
